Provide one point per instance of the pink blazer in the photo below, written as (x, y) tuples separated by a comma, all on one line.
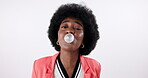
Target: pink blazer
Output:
[(44, 67)]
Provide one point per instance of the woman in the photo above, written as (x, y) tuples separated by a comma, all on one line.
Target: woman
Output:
[(73, 32)]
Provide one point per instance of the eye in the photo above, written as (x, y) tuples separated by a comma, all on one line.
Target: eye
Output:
[(63, 27), (76, 28)]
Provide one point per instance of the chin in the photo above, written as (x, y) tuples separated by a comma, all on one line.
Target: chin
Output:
[(69, 48)]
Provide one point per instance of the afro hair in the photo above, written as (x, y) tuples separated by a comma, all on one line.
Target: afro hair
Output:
[(82, 13)]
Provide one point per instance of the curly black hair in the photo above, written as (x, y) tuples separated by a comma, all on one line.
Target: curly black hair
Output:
[(82, 13)]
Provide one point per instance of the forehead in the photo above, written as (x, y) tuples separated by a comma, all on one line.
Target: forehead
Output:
[(74, 20)]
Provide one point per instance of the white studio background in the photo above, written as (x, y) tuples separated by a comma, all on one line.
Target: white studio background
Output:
[(121, 50)]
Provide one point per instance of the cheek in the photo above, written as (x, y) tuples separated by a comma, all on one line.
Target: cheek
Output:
[(81, 35), (60, 35)]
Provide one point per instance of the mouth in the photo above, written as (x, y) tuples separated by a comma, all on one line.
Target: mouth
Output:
[(69, 38)]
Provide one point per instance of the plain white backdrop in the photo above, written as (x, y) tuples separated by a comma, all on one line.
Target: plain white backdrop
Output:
[(122, 49)]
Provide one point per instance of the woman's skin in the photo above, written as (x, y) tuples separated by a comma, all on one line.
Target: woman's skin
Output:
[(69, 52)]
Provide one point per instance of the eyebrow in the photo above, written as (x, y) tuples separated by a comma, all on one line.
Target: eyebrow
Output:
[(74, 22), (78, 23)]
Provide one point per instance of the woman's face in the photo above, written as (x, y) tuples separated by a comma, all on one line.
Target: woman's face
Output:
[(74, 27)]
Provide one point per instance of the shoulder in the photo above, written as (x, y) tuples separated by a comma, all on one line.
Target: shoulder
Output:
[(92, 63), (91, 60), (44, 61), (43, 65)]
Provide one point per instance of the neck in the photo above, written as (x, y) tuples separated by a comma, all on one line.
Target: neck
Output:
[(69, 58)]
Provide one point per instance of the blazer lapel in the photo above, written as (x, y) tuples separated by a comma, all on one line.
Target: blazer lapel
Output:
[(86, 67), (50, 66)]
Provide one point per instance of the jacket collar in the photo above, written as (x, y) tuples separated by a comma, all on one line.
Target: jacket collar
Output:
[(51, 63), (50, 66), (84, 64), (86, 67)]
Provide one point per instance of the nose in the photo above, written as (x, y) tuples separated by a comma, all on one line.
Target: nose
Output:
[(70, 30)]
